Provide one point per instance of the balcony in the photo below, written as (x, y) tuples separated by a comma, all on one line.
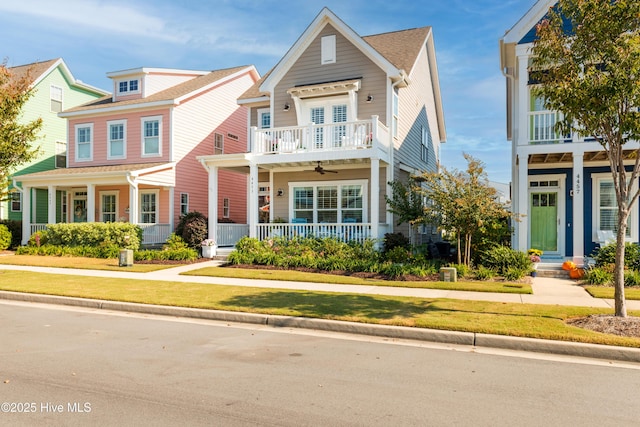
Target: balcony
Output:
[(334, 137)]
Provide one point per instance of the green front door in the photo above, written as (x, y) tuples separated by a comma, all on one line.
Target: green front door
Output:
[(544, 221)]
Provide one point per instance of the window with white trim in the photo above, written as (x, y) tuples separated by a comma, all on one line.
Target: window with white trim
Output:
[(56, 98), (329, 202), (109, 206), (117, 139), (16, 201), (264, 118), (184, 203), (328, 50), (126, 87), (151, 136), (149, 206), (84, 142), (226, 207), (61, 154), (605, 208), (218, 145)]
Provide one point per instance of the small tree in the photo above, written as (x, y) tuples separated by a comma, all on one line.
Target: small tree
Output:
[(15, 137), (587, 60)]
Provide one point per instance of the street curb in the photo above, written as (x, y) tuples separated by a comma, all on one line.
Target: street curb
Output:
[(472, 339)]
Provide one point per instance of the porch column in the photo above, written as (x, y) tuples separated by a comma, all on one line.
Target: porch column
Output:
[(253, 200), (375, 197), (51, 204), (91, 203), (26, 214), (577, 228), (172, 204), (133, 201), (213, 203), (389, 175), (523, 203)]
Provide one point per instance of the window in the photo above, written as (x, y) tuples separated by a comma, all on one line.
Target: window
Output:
[(151, 136), (218, 146), (56, 99), (128, 86), (226, 207), (16, 201), (61, 154), (339, 114), (424, 145), (149, 207), (395, 115), (265, 119), (109, 206), (328, 48), (332, 203), (84, 142), (606, 209), (117, 144), (184, 203)]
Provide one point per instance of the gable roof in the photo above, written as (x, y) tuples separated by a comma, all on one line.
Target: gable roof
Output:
[(528, 21), (171, 96), (39, 70)]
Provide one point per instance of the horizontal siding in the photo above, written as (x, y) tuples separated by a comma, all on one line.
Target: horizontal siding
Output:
[(157, 82)]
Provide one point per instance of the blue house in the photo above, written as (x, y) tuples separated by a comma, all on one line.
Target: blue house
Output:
[(562, 185)]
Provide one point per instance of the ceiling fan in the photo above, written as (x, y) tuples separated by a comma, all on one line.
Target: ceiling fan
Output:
[(322, 170)]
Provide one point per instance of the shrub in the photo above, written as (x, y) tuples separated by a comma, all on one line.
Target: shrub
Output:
[(632, 278), (484, 273), (394, 240), (119, 234), (398, 254), (15, 228), (512, 274), (462, 270), (501, 258), (192, 227), (181, 254), (174, 242), (5, 237), (607, 255), (598, 276)]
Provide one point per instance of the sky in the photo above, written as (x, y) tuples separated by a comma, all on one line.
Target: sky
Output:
[(95, 37)]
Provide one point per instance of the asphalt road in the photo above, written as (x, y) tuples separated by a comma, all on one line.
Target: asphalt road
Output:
[(68, 366)]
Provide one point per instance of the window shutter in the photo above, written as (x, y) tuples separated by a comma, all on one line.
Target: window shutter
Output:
[(328, 50)]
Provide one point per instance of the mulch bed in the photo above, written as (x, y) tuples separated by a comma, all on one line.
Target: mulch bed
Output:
[(622, 326)]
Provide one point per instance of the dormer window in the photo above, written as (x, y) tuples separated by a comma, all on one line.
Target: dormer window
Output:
[(128, 86)]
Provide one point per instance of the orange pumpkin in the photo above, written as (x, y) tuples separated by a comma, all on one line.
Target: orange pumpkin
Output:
[(568, 265), (576, 273)]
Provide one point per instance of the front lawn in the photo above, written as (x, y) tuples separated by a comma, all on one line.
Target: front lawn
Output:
[(300, 276), (607, 292), (523, 320), (79, 262)]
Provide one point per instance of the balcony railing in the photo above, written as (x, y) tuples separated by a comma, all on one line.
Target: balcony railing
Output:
[(320, 137)]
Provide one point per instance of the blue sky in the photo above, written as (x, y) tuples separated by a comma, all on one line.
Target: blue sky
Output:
[(97, 36)]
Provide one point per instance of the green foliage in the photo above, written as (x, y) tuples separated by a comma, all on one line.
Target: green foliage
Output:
[(101, 251), (394, 240), (462, 270), (15, 227), (180, 254), (16, 136), (193, 228), (598, 276), (406, 203), (175, 242), (607, 255), (398, 255), (5, 237), (501, 259), (484, 273), (122, 235), (632, 278), (513, 274)]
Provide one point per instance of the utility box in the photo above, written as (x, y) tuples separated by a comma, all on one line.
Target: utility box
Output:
[(448, 274), (126, 258)]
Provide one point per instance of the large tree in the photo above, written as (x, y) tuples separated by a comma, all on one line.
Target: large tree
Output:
[(461, 203), (16, 137), (587, 61)]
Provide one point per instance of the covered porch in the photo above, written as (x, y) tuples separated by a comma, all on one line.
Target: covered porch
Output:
[(137, 193)]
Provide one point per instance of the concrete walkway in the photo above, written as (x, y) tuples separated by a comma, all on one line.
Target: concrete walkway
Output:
[(546, 290)]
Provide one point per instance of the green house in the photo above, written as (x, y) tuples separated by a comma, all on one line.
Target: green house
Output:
[(55, 90)]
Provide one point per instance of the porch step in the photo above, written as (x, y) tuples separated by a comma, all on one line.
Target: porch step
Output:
[(552, 269), (223, 253)]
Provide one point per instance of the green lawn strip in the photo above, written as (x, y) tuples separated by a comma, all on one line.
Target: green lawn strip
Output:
[(608, 291), (299, 276), (524, 320), (109, 264)]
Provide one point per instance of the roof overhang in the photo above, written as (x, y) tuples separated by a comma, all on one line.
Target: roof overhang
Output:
[(324, 89)]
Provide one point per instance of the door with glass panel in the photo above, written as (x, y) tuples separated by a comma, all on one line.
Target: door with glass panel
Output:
[(544, 221), (328, 136)]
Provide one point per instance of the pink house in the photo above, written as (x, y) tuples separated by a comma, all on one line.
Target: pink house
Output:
[(132, 156)]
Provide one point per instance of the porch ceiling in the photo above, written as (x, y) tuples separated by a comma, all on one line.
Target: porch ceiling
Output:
[(593, 156), (311, 164)]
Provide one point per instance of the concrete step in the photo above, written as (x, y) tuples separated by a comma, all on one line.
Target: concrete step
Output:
[(548, 269)]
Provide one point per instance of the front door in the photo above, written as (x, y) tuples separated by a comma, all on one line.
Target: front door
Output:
[(544, 221), (79, 204)]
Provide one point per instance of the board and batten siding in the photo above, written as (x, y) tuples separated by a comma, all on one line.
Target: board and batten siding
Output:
[(196, 121), (133, 138), (350, 63)]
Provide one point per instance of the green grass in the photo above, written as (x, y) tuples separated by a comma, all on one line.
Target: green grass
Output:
[(79, 262), (299, 276), (523, 320), (608, 291)]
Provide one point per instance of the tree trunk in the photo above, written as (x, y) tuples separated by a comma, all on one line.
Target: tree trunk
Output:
[(459, 252), (618, 274)]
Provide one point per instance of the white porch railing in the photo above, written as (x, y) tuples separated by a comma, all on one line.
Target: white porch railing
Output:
[(229, 234), (38, 227), (358, 232), (320, 137), (153, 234), (542, 127)]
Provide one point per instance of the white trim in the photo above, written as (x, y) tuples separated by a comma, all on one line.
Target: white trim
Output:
[(90, 142), (128, 82), (561, 204), (364, 183), (53, 88), (260, 112), (110, 123), (143, 120), (226, 207), (155, 192), (115, 193), (596, 179), (11, 201)]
